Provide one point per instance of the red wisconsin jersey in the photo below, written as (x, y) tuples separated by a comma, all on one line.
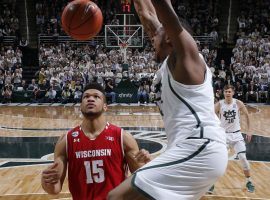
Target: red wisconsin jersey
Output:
[(95, 166)]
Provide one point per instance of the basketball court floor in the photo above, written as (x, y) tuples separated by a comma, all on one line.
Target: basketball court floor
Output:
[(28, 133)]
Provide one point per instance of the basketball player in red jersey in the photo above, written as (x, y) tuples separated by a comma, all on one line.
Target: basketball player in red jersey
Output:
[(97, 154)]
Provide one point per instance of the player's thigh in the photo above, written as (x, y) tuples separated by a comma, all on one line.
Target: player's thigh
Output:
[(240, 146), (229, 140), (125, 191)]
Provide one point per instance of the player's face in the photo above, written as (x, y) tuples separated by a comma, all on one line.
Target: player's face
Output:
[(228, 94), (93, 103)]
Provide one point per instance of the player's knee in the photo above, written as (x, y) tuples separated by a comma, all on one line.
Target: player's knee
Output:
[(244, 161)]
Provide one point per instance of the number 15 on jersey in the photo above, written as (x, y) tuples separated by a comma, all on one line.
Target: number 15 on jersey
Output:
[(94, 171)]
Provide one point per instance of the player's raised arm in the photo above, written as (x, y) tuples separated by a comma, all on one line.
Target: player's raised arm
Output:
[(53, 177), (147, 15), (185, 63)]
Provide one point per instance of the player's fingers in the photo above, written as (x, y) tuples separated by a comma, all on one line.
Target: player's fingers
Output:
[(54, 165), (51, 180), (142, 155), (50, 171), (51, 168), (139, 154), (248, 138), (50, 176)]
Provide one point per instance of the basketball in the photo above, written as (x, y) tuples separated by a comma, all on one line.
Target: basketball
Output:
[(82, 19)]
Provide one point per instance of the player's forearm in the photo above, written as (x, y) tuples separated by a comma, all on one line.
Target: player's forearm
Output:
[(147, 15), (134, 166), (248, 123), (167, 16)]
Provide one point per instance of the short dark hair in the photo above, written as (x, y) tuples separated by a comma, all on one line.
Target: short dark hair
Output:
[(95, 86), (226, 87)]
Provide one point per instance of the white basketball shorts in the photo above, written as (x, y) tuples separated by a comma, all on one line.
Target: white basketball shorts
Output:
[(186, 170), (236, 141)]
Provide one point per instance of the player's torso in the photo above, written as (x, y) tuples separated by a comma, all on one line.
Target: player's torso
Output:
[(186, 107), (95, 166), (229, 116)]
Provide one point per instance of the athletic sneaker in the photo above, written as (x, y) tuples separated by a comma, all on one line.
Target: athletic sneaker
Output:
[(250, 186), (211, 190)]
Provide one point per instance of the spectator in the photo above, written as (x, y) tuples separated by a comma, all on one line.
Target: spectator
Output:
[(239, 92), (2, 79), (32, 85), (41, 75), (50, 95), (109, 91), (23, 86), (36, 95), (7, 94), (142, 94), (17, 77), (263, 91), (77, 95), (44, 86), (252, 92), (66, 94)]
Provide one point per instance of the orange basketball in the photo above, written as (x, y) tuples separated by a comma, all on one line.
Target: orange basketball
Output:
[(82, 19)]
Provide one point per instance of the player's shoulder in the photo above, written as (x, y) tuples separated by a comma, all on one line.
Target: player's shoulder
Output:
[(240, 104), (74, 131), (219, 102), (113, 127)]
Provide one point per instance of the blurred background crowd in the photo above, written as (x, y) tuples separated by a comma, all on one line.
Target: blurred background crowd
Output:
[(64, 68)]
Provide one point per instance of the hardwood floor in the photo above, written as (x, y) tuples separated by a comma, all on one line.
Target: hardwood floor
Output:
[(22, 182)]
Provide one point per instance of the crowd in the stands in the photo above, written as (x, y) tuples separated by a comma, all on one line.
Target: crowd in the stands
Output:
[(65, 68), (9, 22)]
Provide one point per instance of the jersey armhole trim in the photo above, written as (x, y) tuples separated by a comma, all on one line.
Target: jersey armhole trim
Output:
[(122, 142), (184, 102), (66, 144)]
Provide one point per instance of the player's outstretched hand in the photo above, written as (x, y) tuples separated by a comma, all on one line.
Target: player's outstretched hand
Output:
[(51, 174), (248, 138), (143, 156)]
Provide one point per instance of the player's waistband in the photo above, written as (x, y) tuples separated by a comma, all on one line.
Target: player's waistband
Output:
[(233, 131), (208, 132)]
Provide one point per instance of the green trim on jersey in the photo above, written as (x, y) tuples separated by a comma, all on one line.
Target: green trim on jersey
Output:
[(181, 99)]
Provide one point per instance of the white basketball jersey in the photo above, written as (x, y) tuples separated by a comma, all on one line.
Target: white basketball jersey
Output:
[(188, 110), (229, 116)]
